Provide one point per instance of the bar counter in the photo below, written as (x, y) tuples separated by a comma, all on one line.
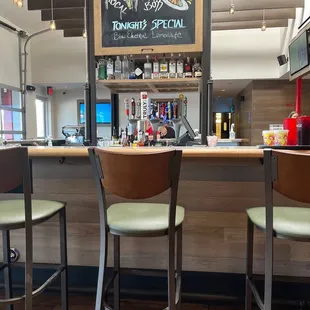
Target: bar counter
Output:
[(188, 152), (216, 186)]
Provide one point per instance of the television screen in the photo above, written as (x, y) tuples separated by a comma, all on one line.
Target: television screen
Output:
[(299, 53), (103, 113)]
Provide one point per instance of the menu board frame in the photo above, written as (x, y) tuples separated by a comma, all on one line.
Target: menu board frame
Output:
[(153, 49)]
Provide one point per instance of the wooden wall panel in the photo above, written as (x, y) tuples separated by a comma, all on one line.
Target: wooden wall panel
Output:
[(214, 228), (243, 112), (270, 101)]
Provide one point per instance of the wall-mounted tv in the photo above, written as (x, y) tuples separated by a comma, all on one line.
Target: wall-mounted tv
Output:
[(103, 113), (299, 55)]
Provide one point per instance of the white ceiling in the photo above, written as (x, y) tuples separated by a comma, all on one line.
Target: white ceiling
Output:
[(246, 12)]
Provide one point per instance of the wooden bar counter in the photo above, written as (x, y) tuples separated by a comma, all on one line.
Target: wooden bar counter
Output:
[(216, 186)]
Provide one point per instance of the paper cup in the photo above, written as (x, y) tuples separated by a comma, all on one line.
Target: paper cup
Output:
[(269, 138), (281, 137)]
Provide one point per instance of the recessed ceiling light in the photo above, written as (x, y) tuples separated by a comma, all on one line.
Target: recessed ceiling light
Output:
[(223, 90)]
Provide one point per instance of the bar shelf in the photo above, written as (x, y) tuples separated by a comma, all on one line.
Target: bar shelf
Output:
[(153, 85)]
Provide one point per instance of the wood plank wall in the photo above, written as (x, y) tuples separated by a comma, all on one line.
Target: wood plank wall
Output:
[(215, 194), (268, 102), (244, 113)]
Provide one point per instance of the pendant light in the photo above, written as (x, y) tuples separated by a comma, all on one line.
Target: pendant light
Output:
[(52, 22), (85, 27), (18, 3), (232, 8), (264, 24)]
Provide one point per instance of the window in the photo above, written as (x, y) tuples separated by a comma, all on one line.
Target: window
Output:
[(41, 117), (11, 115)]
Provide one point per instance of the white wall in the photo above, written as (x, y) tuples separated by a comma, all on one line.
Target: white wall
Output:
[(9, 58), (56, 59)]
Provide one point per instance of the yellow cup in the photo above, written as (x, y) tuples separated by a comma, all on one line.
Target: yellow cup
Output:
[(269, 137), (280, 137)]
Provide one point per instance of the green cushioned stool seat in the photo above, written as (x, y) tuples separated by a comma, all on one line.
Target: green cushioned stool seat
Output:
[(287, 222), (140, 218), (12, 212)]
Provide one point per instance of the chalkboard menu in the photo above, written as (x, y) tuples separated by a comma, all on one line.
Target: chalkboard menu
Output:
[(130, 23)]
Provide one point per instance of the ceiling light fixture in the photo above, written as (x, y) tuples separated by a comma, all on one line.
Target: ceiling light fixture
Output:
[(85, 27), (232, 8), (18, 3), (52, 22), (264, 24)]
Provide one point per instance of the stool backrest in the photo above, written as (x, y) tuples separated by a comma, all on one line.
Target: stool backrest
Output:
[(135, 175), (12, 168), (291, 174)]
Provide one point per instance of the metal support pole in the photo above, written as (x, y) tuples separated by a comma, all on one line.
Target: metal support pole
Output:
[(90, 87), (207, 82), (115, 112)]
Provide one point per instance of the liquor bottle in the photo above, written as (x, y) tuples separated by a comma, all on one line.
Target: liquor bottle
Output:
[(188, 68), (197, 71), (139, 71), (125, 68), (156, 68), (163, 70), (172, 67), (110, 69), (102, 72), (118, 68), (147, 68), (180, 67), (133, 107), (132, 68)]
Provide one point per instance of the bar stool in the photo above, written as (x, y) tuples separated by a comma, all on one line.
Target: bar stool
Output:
[(24, 213), (124, 174), (288, 173)]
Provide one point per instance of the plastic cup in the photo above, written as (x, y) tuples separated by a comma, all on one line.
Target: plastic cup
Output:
[(212, 141), (269, 137), (290, 124), (281, 137)]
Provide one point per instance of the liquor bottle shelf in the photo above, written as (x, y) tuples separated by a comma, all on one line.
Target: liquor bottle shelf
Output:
[(152, 85)]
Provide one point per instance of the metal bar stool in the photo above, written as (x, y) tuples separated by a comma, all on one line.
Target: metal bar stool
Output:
[(288, 173), (24, 213), (122, 174)]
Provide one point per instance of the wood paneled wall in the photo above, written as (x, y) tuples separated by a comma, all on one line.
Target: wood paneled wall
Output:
[(268, 102), (215, 193), (244, 113)]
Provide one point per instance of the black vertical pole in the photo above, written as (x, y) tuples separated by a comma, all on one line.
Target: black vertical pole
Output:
[(90, 87), (115, 112), (207, 82)]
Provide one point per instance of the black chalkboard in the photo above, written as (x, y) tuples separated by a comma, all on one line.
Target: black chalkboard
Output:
[(147, 22)]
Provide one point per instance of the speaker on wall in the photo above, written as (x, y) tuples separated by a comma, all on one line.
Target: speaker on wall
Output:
[(282, 59)]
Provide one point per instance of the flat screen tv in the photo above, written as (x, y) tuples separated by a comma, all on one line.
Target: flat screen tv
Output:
[(103, 113), (299, 53)]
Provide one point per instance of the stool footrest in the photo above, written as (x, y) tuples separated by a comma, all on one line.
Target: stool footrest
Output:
[(255, 293), (38, 291)]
